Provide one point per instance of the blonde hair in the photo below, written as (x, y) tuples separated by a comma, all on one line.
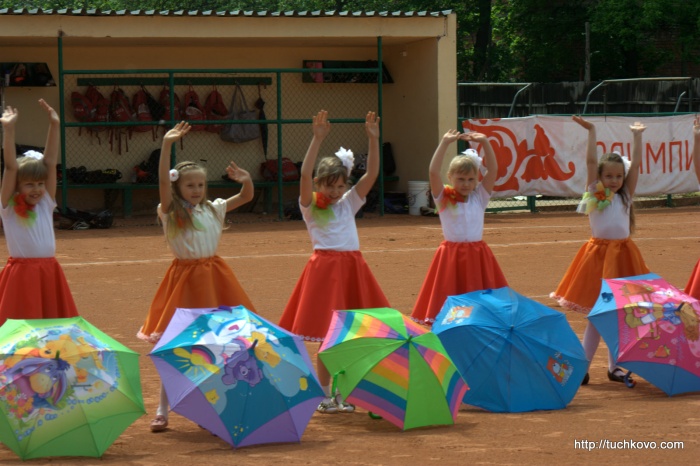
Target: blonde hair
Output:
[(180, 216), (31, 169), (614, 157), (329, 170), (462, 164)]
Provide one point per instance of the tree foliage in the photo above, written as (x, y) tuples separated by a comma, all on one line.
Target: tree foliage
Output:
[(508, 40)]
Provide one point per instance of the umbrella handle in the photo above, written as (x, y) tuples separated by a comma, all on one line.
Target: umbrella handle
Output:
[(628, 380), (374, 416)]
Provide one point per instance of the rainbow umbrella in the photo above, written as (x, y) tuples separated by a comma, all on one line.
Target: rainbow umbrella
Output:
[(384, 362), (66, 388)]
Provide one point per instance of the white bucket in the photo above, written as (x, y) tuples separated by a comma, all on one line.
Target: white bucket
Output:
[(418, 192)]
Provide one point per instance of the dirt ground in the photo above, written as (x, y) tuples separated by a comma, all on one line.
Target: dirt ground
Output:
[(114, 273)]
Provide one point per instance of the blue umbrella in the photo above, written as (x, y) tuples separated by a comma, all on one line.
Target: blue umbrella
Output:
[(652, 329), (514, 353), (238, 375)]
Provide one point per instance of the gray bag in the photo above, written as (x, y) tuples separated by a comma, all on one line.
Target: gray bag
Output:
[(240, 132)]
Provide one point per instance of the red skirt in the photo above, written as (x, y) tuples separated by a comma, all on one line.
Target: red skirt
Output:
[(597, 259), (693, 286), (457, 268), (34, 288), (331, 280), (195, 283)]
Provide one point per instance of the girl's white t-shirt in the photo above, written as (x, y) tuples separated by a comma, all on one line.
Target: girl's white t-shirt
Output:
[(340, 233), (33, 241), (613, 222), (464, 222), (194, 243)]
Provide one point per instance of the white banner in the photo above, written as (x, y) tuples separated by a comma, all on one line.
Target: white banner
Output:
[(547, 154)]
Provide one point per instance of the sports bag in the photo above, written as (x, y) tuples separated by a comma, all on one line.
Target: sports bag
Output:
[(215, 109), (193, 109), (240, 132), (268, 170)]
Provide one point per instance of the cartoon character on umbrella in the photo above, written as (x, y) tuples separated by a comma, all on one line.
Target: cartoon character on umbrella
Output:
[(667, 316), (42, 382)]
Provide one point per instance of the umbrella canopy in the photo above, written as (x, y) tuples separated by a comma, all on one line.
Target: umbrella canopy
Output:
[(66, 388), (651, 328), (386, 363), (515, 353), (241, 377)]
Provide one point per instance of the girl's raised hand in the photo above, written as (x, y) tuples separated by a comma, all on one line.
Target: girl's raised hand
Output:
[(696, 126), (236, 173), (53, 116), (474, 136), (452, 135), (586, 124), (638, 127), (178, 131), (321, 126), (372, 125), (9, 116)]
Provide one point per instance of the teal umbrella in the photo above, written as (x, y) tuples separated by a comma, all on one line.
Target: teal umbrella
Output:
[(66, 388)]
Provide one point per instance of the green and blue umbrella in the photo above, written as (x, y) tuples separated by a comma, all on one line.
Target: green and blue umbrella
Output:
[(386, 363), (66, 388)]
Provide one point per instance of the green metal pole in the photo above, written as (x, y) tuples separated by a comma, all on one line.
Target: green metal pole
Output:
[(280, 206), (61, 112)]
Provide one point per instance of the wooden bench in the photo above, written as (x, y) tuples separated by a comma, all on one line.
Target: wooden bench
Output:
[(128, 189)]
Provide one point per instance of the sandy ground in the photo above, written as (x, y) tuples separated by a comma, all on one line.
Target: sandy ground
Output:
[(114, 274)]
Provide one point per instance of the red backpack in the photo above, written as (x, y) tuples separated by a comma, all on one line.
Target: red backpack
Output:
[(101, 105), (164, 100), (119, 106), (143, 112), (215, 109), (193, 109), (83, 109), (120, 111)]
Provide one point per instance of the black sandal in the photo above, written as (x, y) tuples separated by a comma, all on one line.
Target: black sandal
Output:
[(586, 379), (618, 375)]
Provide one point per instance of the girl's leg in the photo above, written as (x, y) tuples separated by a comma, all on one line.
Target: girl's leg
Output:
[(328, 405), (160, 422), (591, 340)]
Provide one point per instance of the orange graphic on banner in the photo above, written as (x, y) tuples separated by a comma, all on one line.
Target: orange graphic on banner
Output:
[(537, 163)]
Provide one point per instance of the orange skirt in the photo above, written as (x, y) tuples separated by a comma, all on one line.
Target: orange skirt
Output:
[(195, 283), (34, 288), (331, 280), (597, 259), (457, 268), (693, 286)]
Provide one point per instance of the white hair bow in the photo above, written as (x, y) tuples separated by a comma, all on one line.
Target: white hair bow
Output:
[(472, 154), (625, 161), (32, 154), (346, 156), (174, 175)]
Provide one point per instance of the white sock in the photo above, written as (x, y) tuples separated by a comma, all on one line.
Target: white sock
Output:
[(611, 362), (326, 390), (163, 404), (591, 340)]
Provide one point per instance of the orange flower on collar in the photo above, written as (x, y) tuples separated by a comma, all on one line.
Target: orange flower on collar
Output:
[(23, 210), (320, 200), (450, 198)]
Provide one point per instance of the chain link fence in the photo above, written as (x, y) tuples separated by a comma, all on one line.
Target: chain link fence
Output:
[(113, 156)]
